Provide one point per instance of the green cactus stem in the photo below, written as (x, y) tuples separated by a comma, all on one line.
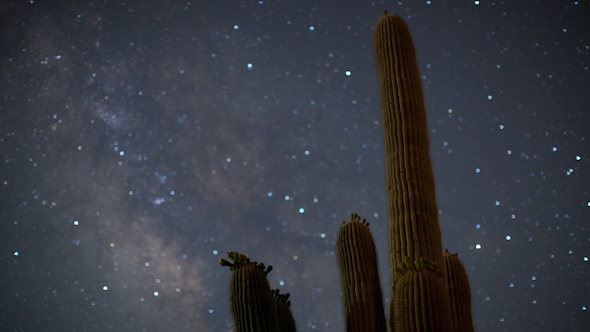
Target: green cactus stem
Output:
[(412, 211), (286, 321), (459, 292), (414, 229), (361, 289), (251, 302), (421, 300)]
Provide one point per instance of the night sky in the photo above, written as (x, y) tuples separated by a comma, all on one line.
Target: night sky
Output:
[(142, 140)]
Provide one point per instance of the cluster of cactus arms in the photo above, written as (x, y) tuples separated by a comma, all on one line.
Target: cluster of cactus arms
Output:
[(238, 260), (429, 289), (254, 306)]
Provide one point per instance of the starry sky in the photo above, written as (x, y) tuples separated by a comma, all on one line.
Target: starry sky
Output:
[(142, 140)]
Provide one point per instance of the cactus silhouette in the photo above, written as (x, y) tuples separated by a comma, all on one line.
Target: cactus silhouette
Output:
[(286, 321), (429, 290), (413, 219), (359, 277), (459, 293), (252, 304)]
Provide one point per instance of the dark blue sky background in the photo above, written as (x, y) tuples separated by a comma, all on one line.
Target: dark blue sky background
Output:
[(142, 140)]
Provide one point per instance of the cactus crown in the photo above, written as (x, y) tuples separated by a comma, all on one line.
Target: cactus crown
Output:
[(356, 218), (276, 293), (421, 263), (447, 252), (238, 260)]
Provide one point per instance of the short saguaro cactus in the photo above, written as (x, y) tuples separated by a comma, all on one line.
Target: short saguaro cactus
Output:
[(252, 303)]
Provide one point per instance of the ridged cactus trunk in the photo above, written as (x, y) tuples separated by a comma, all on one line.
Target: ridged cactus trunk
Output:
[(413, 219), (286, 321), (459, 292), (419, 297), (252, 304), (359, 277)]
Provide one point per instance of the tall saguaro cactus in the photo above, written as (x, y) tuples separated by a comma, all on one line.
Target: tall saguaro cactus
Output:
[(429, 291), (413, 218)]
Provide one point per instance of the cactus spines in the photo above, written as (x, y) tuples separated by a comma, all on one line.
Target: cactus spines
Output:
[(251, 301), (414, 229), (362, 298), (420, 302), (459, 292), (286, 321), (238, 260)]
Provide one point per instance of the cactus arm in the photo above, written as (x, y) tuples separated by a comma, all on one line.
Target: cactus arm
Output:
[(286, 321), (459, 292), (251, 301), (357, 261)]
